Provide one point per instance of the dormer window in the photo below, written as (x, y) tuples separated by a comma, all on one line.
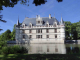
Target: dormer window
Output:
[(38, 21), (23, 26), (30, 25), (47, 24)]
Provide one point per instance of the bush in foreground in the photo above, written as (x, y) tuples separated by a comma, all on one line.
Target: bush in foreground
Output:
[(13, 50)]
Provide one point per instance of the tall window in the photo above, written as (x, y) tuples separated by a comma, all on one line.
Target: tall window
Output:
[(30, 36), (47, 30), (47, 36), (39, 31), (55, 36), (23, 31), (38, 36), (46, 25), (54, 25), (23, 36), (30, 25), (30, 31), (38, 21), (55, 30)]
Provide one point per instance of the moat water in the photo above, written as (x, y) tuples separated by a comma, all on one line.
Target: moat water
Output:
[(50, 48)]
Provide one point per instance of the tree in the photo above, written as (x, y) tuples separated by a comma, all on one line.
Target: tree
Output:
[(67, 29), (13, 33)]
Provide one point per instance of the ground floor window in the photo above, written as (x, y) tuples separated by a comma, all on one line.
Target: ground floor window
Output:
[(55, 36), (38, 36), (47, 36), (30, 36)]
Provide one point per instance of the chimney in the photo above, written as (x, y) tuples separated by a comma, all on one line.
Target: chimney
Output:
[(49, 16), (36, 16)]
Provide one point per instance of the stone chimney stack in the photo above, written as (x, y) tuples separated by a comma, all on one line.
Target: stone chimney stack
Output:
[(49, 16)]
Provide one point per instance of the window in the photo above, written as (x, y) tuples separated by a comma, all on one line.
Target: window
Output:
[(29, 25), (30, 36), (23, 36), (41, 36), (23, 26), (55, 30), (23, 31), (39, 31), (47, 36), (55, 36), (47, 30), (56, 50), (30, 31), (38, 36), (46, 25), (54, 25), (38, 21)]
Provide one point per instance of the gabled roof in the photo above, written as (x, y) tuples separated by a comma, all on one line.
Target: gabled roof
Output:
[(45, 19)]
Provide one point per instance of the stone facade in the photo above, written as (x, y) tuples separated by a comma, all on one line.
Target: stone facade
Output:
[(40, 30)]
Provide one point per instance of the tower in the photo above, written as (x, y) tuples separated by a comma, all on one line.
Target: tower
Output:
[(62, 29)]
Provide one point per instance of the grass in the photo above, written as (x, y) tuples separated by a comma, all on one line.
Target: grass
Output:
[(40, 57)]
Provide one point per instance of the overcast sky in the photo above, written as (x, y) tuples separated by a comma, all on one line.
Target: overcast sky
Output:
[(69, 9)]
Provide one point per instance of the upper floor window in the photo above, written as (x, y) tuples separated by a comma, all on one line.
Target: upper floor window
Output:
[(55, 30), (23, 36), (47, 30), (55, 36), (30, 31)]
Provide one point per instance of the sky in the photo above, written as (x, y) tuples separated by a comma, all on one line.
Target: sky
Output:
[(68, 9)]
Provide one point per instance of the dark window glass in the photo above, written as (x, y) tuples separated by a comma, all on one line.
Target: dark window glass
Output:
[(46, 25), (39, 31), (38, 21), (55, 30), (23, 31), (23, 36), (30, 31), (47, 30), (47, 36), (55, 36), (30, 36)]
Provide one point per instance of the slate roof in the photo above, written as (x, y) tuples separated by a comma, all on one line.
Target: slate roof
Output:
[(45, 19)]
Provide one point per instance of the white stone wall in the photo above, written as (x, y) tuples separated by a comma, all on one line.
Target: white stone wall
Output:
[(60, 35)]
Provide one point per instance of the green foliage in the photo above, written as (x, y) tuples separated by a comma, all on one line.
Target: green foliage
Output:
[(13, 50)]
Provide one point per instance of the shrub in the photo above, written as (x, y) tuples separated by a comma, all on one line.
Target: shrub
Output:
[(13, 50)]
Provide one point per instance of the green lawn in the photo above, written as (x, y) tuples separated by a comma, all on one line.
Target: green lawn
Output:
[(40, 57)]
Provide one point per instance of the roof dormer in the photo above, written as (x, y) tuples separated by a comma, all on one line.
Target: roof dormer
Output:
[(30, 24), (39, 20), (47, 24)]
